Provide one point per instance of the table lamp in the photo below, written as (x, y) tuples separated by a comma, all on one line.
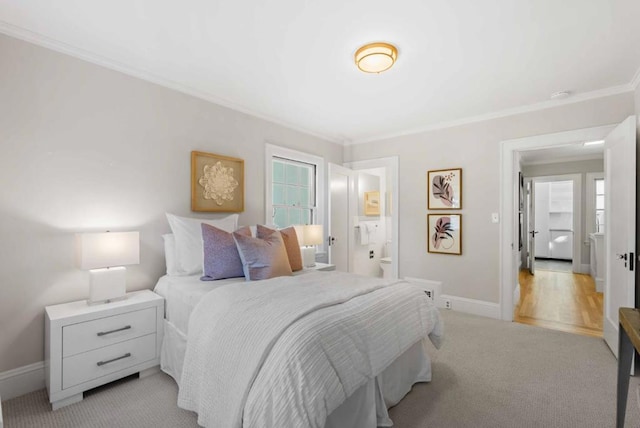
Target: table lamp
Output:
[(105, 254), (312, 235)]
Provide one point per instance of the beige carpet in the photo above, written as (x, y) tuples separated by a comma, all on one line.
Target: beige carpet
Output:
[(488, 374)]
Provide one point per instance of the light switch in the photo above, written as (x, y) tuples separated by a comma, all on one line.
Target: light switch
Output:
[(495, 218)]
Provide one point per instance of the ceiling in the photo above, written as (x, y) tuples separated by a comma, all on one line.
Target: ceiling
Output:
[(291, 61)]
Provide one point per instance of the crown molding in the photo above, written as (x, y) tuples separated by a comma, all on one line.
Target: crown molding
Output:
[(585, 96), (55, 45)]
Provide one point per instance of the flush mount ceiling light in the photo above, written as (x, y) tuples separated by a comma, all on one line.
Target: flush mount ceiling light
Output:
[(376, 57)]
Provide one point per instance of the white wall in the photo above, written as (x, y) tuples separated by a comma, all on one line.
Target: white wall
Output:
[(87, 148), (475, 148)]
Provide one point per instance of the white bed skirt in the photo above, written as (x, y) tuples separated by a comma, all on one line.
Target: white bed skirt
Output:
[(365, 408)]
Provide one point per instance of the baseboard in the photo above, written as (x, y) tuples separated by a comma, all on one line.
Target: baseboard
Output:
[(516, 294), (585, 268), (23, 380), (472, 306)]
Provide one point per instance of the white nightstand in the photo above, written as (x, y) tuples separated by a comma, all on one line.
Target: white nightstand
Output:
[(323, 267), (90, 345)]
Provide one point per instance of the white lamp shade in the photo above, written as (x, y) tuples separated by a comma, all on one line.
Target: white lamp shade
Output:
[(108, 249), (312, 234)]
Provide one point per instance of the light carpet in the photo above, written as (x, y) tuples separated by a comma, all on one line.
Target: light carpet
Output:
[(488, 373)]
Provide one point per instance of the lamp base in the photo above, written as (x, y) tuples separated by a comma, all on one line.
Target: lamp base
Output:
[(308, 256), (107, 284)]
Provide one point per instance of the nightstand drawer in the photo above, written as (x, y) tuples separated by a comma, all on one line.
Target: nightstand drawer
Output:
[(90, 335), (101, 362)]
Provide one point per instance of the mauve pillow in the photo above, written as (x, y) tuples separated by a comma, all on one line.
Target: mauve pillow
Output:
[(290, 238), (263, 258), (220, 256)]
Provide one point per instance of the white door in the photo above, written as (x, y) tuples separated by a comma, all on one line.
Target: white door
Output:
[(531, 227), (620, 230), (341, 182)]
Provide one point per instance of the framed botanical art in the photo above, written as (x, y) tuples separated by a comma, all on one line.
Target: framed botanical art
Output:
[(445, 233), (372, 203), (444, 187), (217, 183)]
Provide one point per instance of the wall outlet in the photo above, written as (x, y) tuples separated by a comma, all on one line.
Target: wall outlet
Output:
[(371, 254), (447, 303)]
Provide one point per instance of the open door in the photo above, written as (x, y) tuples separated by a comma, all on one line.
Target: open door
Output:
[(341, 182), (620, 230), (531, 229)]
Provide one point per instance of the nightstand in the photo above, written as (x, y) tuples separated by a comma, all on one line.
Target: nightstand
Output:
[(323, 267), (89, 345)]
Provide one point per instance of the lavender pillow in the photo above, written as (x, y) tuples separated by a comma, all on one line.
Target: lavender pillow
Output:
[(263, 258), (220, 257), (290, 239)]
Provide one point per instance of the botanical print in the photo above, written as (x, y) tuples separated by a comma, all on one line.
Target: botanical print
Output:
[(445, 189), (372, 203), (444, 233), (218, 183)]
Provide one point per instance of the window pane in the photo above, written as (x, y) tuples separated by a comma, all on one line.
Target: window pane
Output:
[(305, 175), (305, 200), (278, 194), (600, 219), (278, 172), (306, 217), (600, 187), (280, 218), (292, 174), (295, 216), (600, 202), (293, 196)]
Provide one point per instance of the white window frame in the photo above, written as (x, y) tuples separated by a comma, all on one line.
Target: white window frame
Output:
[(271, 151), (590, 217)]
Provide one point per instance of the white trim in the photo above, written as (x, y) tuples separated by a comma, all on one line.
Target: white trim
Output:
[(585, 268), (428, 284), (635, 82), (516, 294), (508, 181), (595, 156), (55, 45), (472, 306), (22, 380), (392, 164), (272, 150), (544, 105)]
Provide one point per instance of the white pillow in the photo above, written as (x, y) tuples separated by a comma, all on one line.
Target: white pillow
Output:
[(170, 255), (188, 235)]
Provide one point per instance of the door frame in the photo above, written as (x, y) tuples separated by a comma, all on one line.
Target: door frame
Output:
[(577, 214), (391, 164), (351, 208), (509, 167)]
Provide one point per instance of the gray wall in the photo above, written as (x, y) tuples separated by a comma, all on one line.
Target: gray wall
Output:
[(475, 148), (87, 148), (580, 167)]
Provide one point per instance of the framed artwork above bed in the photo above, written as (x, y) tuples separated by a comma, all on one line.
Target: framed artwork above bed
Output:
[(217, 183)]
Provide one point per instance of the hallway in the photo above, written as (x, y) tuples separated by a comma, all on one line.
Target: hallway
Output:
[(562, 301)]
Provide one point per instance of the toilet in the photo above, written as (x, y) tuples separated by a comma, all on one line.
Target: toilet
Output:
[(385, 265), (385, 262)]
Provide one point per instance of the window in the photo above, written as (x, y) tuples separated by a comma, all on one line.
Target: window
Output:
[(294, 187), (599, 189), (293, 192)]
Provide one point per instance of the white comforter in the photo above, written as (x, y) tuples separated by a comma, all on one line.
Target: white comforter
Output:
[(290, 350)]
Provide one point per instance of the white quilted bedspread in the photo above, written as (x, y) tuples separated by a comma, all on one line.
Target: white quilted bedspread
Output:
[(289, 350)]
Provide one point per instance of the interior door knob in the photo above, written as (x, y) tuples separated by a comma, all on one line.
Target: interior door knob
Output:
[(621, 256)]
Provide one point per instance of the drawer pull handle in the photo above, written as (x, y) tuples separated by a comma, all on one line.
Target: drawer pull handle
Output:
[(104, 333), (102, 363)]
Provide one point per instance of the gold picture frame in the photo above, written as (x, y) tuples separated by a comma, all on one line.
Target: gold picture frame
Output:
[(217, 183), (444, 189), (372, 203), (444, 234)]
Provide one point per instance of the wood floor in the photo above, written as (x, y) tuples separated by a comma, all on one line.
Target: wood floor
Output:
[(560, 301)]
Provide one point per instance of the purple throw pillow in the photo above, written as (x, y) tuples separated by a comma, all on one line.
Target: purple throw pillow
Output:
[(220, 258), (263, 258)]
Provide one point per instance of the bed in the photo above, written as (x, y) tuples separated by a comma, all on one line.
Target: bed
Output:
[(320, 349)]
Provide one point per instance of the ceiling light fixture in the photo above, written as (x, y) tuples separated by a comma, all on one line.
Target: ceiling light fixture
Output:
[(376, 57), (593, 143)]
